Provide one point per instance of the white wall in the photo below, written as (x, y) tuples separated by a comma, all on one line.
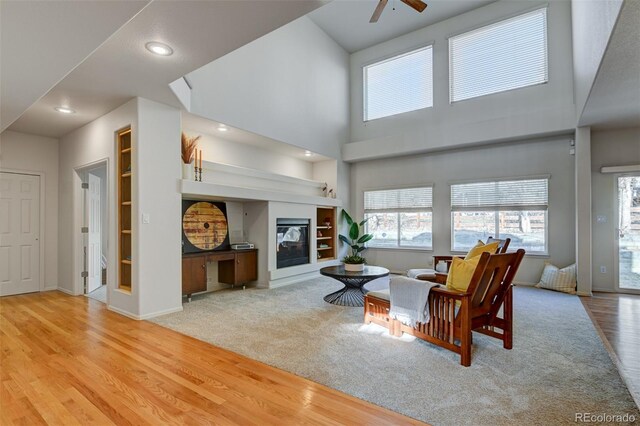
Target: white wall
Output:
[(592, 24), (219, 150), (291, 85), (608, 148), (505, 160), (89, 144), (159, 275), (538, 110), (31, 153)]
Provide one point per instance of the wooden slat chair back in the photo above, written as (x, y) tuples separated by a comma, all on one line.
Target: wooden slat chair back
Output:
[(479, 308), (502, 248)]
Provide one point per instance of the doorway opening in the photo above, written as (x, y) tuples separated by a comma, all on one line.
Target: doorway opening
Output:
[(94, 231), (628, 234)]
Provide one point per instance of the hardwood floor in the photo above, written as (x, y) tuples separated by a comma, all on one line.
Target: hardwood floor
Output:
[(67, 360), (617, 317)]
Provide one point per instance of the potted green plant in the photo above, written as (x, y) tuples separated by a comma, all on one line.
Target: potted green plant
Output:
[(354, 261)]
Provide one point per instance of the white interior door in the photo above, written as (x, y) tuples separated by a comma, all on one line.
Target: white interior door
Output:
[(94, 243), (19, 233), (629, 233)]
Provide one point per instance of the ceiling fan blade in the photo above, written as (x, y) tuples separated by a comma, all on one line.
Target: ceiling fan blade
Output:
[(378, 11), (418, 5)]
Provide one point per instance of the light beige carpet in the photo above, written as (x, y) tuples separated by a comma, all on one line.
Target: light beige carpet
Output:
[(558, 365)]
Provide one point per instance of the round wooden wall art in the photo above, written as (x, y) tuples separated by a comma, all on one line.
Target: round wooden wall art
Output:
[(205, 225)]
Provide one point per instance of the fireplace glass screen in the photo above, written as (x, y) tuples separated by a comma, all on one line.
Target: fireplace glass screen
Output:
[(293, 242)]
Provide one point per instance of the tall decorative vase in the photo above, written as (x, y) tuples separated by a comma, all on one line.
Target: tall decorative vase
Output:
[(187, 171)]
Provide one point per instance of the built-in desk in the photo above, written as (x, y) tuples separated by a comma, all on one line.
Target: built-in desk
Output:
[(234, 267)]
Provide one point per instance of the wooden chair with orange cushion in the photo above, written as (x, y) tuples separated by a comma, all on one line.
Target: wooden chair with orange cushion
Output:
[(453, 315)]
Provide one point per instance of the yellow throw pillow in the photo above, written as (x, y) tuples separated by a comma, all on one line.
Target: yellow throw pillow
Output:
[(481, 247), (461, 272)]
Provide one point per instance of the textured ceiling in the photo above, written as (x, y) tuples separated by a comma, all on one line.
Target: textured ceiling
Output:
[(614, 101), (121, 68), (347, 21), (42, 41)]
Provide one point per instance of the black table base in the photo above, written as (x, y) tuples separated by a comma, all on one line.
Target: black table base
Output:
[(353, 292), (351, 295)]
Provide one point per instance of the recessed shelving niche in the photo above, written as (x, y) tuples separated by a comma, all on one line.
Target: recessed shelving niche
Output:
[(125, 174)]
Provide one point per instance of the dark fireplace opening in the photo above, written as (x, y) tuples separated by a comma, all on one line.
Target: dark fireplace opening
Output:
[(292, 242)]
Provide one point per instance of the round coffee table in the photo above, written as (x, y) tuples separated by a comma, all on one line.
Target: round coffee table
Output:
[(352, 294)]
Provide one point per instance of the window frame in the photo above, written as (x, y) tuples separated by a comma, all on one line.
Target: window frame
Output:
[(544, 253), (398, 240), (494, 22), (389, 58)]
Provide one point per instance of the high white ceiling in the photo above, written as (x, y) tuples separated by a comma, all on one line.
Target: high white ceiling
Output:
[(121, 68), (41, 41), (203, 125), (90, 55), (614, 101), (347, 21)]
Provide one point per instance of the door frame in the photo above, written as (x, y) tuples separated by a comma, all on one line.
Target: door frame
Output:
[(78, 222), (41, 214), (616, 244)]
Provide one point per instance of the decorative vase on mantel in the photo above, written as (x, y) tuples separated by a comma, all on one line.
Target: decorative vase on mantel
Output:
[(354, 267), (187, 171)]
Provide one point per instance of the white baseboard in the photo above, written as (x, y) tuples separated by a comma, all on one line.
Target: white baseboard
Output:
[(122, 312), (160, 313), (293, 279), (524, 284), (66, 291), (146, 316), (604, 290)]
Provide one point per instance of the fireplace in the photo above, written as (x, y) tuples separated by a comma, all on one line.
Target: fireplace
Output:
[(292, 246)]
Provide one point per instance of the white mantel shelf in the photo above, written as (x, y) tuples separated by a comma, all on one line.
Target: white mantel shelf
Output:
[(190, 188)]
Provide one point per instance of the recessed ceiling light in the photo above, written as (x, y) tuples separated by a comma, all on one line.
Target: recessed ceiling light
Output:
[(308, 154), (222, 128), (64, 110), (159, 48)]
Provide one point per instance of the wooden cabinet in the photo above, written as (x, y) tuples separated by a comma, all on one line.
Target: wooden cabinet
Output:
[(326, 233), (194, 274), (234, 267), (245, 270), (125, 172)]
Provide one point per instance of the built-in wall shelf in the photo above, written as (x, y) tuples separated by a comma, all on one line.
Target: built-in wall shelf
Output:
[(215, 191), (326, 237), (125, 150)]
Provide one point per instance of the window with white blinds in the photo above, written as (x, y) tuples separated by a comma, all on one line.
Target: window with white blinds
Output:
[(400, 84), (399, 217), (501, 195), (515, 209), (507, 55)]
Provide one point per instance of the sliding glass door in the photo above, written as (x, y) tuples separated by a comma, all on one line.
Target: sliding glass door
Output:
[(629, 233)]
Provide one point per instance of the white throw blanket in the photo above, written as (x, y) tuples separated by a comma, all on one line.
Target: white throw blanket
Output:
[(408, 298)]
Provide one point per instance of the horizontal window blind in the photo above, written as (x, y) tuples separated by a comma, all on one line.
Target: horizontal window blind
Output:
[(400, 84), (506, 55), (399, 199), (530, 194)]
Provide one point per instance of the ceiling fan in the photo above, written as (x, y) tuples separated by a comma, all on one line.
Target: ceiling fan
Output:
[(418, 5)]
